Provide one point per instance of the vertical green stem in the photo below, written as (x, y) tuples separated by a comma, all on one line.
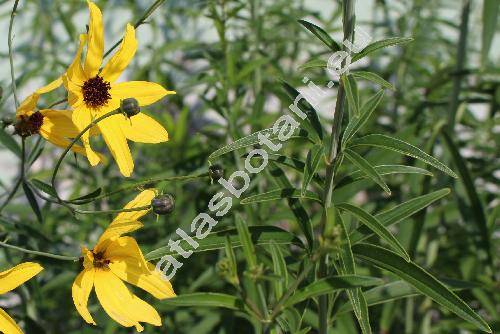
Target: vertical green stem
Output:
[(333, 155), (461, 56), (11, 57), (21, 176)]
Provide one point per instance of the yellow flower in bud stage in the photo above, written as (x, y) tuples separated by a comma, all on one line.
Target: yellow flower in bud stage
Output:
[(93, 92), (115, 259), (56, 126), (9, 280)]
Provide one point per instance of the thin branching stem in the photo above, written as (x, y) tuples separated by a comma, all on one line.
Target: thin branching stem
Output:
[(45, 254), (20, 180), (11, 56)]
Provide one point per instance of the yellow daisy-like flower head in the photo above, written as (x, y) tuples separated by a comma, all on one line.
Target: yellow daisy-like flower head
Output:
[(116, 259), (9, 280), (56, 126), (93, 92)]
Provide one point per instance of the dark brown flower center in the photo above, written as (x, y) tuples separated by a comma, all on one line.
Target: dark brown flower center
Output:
[(29, 125), (100, 261), (96, 92)]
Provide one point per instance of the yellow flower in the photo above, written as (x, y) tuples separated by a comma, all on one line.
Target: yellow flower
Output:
[(93, 92), (56, 126), (9, 280), (115, 259)]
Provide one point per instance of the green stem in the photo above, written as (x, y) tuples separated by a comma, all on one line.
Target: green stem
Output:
[(21, 176), (11, 57), (77, 138), (28, 251), (140, 208)]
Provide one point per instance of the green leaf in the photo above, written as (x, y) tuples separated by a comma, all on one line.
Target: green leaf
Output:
[(490, 18), (322, 35), (400, 212), (280, 270), (296, 164), (246, 242), (470, 190), (87, 198), (376, 226), (329, 285), (278, 194), (312, 163), (379, 45), (10, 143), (366, 168), (45, 187), (421, 280), (204, 299), (357, 122), (260, 235), (250, 67), (313, 63), (307, 108), (381, 170), (351, 93), (397, 145), (373, 77), (32, 200)]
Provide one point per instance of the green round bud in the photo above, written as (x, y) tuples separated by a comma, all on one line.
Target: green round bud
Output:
[(130, 106), (163, 204), (215, 172)]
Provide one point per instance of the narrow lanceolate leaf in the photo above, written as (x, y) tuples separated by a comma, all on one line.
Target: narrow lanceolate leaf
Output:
[(470, 190), (45, 187), (400, 212), (312, 163), (9, 143), (381, 170), (490, 18), (379, 45), (32, 201), (421, 280), (278, 194), (246, 242), (322, 35), (400, 146), (313, 63), (351, 93), (87, 197), (204, 299), (261, 235), (366, 168), (296, 164), (357, 122), (376, 226), (280, 270), (329, 285), (373, 77)]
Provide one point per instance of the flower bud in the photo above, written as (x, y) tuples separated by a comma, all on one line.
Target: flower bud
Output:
[(163, 204), (215, 172), (6, 121), (130, 106)]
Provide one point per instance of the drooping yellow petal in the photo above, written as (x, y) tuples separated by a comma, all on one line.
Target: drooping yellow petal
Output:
[(59, 121), (88, 258), (144, 92), (82, 117), (50, 86), (14, 277), (120, 304), (95, 46), (117, 143), (142, 199), (115, 230), (8, 325), (143, 129), (82, 286), (122, 57), (145, 277), (124, 247), (75, 73), (28, 105)]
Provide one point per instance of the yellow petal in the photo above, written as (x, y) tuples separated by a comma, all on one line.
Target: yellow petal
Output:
[(143, 129), (122, 57), (59, 121), (124, 247), (82, 286), (28, 105), (145, 277), (82, 117), (95, 47), (50, 87), (120, 304), (75, 73), (117, 143), (116, 229), (142, 199), (14, 277), (8, 325), (145, 92)]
